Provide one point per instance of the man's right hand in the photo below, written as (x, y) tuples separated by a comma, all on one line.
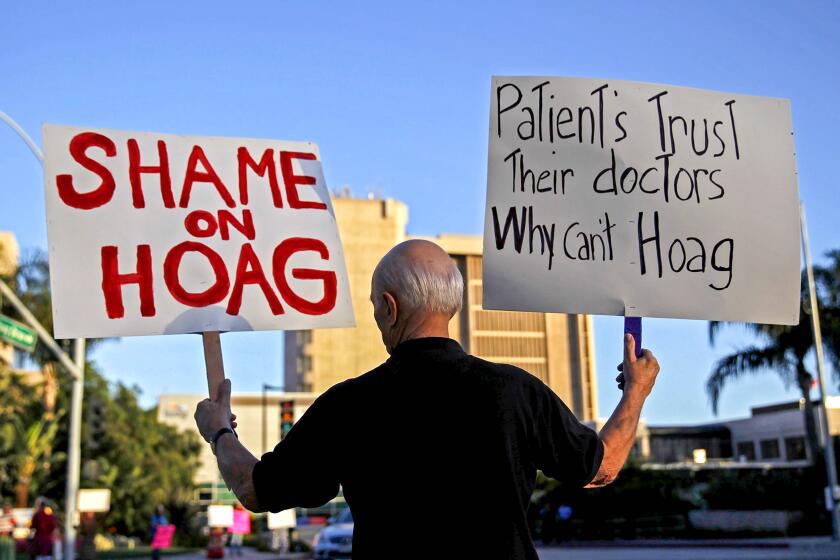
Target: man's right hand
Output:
[(637, 374), (636, 380)]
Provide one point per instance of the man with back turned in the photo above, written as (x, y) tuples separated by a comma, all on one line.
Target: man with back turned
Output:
[(433, 437)]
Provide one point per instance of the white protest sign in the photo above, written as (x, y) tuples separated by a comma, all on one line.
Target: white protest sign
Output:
[(161, 234), (219, 516), (624, 198), (94, 500), (285, 519)]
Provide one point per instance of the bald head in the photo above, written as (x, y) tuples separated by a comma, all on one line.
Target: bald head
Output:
[(422, 277)]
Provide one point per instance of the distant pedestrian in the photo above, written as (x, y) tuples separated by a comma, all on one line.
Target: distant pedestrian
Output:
[(158, 520), (87, 532), (241, 527), (7, 527), (564, 522), (44, 526)]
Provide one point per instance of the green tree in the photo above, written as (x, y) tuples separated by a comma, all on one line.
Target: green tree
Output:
[(32, 444), (27, 434), (31, 283), (782, 349), (142, 461), (124, 447)]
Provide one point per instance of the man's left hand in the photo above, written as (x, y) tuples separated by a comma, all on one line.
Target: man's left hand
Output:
[(213, 415)]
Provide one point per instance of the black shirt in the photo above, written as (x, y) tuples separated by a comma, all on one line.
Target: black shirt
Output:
[(434, 446)]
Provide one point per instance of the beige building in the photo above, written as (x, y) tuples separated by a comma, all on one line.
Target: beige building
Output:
[(559, 349), (254, 428), (8, 264)]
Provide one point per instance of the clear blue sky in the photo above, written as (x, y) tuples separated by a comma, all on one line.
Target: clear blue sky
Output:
[(397, 96)]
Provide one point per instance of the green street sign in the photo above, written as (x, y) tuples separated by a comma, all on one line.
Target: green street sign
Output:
[(17, 334)]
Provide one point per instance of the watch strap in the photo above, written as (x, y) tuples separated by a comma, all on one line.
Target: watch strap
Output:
[(219, 434)]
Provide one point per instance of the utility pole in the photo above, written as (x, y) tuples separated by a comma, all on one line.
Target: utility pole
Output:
[(77, 370), (74, 451), (830, 468)]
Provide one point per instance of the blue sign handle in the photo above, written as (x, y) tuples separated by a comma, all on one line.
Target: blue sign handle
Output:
[(633, 325)]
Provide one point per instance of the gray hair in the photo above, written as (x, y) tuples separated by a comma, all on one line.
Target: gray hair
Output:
[(417, 286)]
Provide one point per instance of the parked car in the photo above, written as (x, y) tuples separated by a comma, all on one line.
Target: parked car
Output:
[(336, 539)]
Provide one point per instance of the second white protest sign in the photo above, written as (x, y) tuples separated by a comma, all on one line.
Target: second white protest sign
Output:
[(625, 198)]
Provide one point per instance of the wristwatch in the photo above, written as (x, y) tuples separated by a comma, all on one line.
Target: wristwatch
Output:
[(220, 433)]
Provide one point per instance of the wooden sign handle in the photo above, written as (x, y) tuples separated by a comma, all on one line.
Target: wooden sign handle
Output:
[(213, 362)]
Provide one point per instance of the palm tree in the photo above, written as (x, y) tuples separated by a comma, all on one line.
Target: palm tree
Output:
[(827, 279), (782, 348), (26, 448)]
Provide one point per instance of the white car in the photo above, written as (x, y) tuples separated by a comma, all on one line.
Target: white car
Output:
[(336, 539)]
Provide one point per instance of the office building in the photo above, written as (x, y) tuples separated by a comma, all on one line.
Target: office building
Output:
[(317, 360)]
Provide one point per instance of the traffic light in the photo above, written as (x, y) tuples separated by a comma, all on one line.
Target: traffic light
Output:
[(96, 422), (287, 417)]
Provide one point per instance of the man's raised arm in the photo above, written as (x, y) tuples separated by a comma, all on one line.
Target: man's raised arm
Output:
[(618, 434), (236, 463)]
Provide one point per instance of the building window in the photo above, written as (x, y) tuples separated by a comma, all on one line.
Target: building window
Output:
[(746, 449), (304, 364), (795, 448), (770, 449)]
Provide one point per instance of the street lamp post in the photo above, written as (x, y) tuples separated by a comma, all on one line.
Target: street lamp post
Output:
[(265, 388), (828, 445), (74, 442)]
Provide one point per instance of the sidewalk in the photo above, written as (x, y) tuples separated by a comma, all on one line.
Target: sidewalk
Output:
[(772, 542), (769, 543), (804, 548)]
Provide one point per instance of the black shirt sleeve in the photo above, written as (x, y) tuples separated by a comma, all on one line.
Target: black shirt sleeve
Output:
[(300, 471), (566, 450)]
